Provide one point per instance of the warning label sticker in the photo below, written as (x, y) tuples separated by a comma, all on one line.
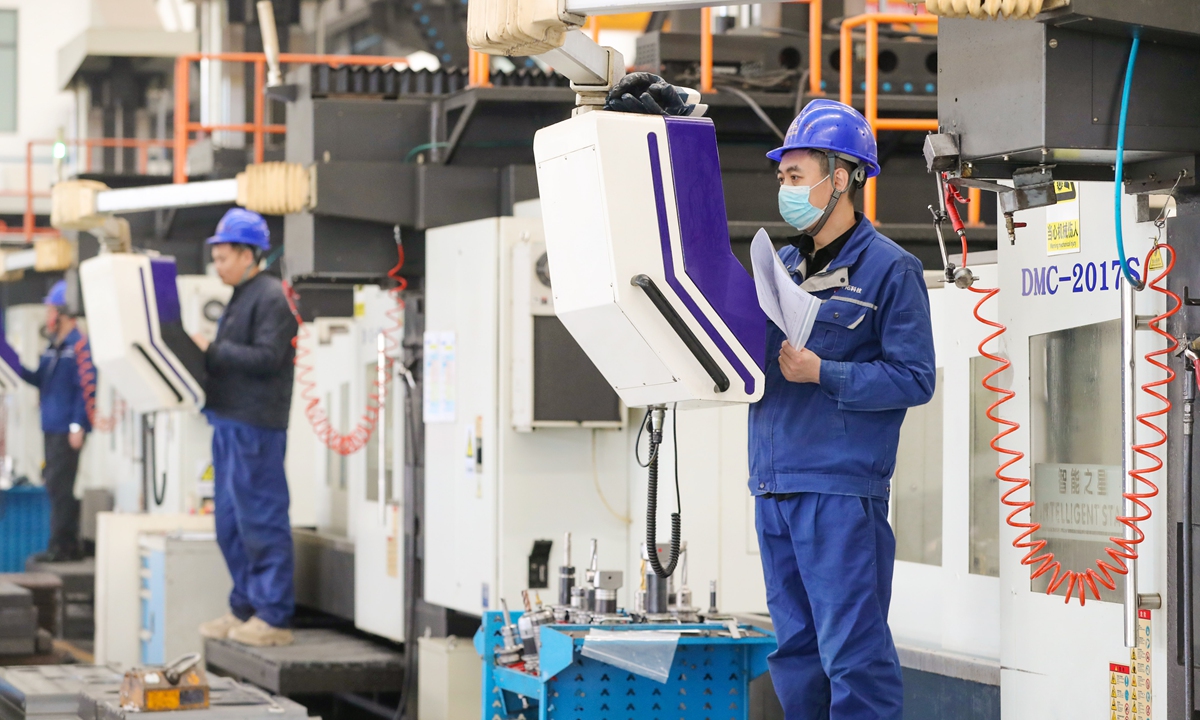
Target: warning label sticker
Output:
[(1130, 692), (1156, 260), (1062, 220)]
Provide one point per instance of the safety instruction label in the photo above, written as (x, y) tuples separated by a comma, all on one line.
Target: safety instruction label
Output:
[(439, 379), (1062, 220), (1077, 501), (1130, 692)]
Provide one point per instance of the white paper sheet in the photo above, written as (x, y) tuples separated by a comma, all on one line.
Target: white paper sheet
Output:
[(793, 310)]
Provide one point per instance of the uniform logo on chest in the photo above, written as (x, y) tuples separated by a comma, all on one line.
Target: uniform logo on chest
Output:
[(854, 289)]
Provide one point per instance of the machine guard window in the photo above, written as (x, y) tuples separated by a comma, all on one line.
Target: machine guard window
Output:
[(1075, 443), (984, 539), (8, 71), (917, 483), (372, 448)]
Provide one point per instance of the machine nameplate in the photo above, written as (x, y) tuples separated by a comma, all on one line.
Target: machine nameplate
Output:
[(1077, 278)]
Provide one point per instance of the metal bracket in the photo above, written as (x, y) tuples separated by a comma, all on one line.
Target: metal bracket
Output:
[(468, 102)]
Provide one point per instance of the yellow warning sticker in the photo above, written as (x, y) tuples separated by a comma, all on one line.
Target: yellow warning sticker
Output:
[(1062, 237), (1156, 261), (1062, 220)]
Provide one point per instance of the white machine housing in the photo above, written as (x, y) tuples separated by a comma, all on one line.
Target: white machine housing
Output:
[(494, 487), (339, 494), (137, 337), (637, 196)]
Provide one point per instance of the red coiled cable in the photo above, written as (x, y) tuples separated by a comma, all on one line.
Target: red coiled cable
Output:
[(87, 384), (1040, 560), (353, 441)]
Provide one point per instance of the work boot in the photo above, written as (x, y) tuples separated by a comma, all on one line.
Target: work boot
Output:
[(258, 633), (219, 629)]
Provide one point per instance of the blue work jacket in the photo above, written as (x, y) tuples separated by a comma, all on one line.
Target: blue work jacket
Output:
[(57, 381), (875, 340)]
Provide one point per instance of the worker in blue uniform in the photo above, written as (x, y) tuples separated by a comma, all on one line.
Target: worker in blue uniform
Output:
[(823, 438), (65, 422), (249, 397)]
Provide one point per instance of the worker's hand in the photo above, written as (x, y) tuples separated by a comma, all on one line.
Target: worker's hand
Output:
[(201, 342), (648, 94), (799, 366), (75, 440)]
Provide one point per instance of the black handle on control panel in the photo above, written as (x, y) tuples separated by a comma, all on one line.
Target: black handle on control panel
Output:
[(682, 330)]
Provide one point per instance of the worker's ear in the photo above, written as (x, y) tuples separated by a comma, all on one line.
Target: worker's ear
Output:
[(841, 179)]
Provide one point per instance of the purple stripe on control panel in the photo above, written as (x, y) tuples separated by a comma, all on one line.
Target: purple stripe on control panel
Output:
[(664, 234), (166, 292), (704, 231), (150, 327)]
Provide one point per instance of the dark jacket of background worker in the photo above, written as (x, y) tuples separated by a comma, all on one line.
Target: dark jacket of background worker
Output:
[(64, 422), (249, 395)]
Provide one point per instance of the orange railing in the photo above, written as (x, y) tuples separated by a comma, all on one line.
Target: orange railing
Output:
[(142, 145), (814, 47), (815, 30), (184, 126), (871, 92), (479, 69)]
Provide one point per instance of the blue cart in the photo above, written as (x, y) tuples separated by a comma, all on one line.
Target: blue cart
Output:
[(24, 525), (709, 677)]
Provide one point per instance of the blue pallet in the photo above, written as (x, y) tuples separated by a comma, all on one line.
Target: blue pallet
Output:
[(24, 525), (709, 680)]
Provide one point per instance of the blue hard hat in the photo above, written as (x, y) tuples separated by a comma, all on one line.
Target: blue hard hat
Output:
[(57, 295), (243, 227), (834, 127)]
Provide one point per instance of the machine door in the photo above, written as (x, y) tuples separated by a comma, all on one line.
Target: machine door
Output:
[(334, 349), (945, 497), (379, 570), (1060, 302)]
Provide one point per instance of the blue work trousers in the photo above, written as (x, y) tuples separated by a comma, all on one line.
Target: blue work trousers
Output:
[(827, 560), (253, 528)]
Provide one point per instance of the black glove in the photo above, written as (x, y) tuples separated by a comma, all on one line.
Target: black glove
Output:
[(646, 94)]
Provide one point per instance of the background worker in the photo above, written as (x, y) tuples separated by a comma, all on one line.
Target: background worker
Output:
[(249, 397), (823, 438), (64, 423)]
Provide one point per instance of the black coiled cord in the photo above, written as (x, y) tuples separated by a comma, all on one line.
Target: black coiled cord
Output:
[(652, 514)]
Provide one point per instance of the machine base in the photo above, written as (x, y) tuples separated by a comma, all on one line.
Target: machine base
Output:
[(320, 661)]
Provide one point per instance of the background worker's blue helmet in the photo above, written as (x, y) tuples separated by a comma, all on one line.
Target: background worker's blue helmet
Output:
[(242, 227), (57, 295), (833, 127)]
